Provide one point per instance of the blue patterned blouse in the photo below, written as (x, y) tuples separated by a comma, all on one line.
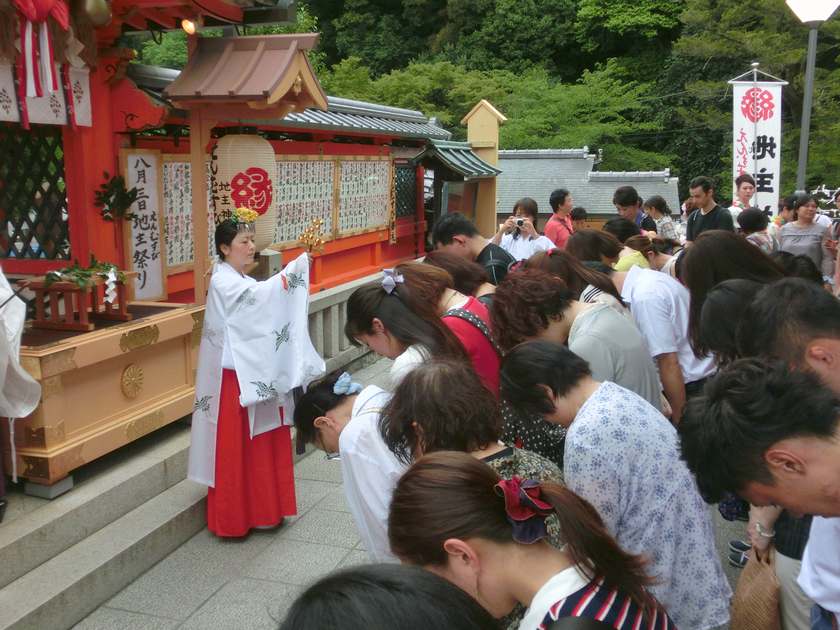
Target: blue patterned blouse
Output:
[(623, 457)]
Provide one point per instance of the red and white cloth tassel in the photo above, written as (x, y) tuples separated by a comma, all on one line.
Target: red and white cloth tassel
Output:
[(38, 58)]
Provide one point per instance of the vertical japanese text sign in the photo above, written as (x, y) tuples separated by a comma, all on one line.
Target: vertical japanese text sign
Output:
[(142, 170), (757, 138)]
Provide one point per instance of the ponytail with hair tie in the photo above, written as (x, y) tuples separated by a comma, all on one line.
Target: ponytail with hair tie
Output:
[(526, 511)]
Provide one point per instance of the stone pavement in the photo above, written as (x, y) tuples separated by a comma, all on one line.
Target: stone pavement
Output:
[(248, 584), (211, 583)]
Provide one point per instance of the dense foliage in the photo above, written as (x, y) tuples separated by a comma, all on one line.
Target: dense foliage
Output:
[(642, 80)]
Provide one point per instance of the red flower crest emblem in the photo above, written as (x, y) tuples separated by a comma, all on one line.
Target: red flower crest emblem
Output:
[(757, 105), (252, 189)]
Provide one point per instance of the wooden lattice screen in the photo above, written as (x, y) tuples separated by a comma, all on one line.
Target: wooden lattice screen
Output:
[(33, 197), (405, 182)]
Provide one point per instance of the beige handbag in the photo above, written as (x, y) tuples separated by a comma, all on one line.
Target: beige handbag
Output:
[(755, 605)]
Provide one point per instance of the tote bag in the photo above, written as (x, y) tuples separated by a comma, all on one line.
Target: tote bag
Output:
[(755, 605)]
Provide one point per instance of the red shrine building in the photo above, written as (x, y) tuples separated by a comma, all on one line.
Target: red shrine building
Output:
[(103, 160)]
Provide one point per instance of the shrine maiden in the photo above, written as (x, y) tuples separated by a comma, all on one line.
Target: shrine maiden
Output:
[(255, 349), (19, 392)]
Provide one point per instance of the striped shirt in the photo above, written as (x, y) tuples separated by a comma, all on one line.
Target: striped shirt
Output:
[(570, 594)]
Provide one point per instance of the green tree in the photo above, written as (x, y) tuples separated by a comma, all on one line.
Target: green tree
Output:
[(386, 34), (719, 40), (514, 35), (618, 27), (171, 52)]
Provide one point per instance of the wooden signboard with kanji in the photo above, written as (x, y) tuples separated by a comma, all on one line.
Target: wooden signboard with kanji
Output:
[(145, 253)]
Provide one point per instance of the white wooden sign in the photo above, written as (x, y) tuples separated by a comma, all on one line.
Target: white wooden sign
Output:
[(142, 169)]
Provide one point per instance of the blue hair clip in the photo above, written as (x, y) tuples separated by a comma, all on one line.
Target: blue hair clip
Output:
[(345, 386), (390, 280)]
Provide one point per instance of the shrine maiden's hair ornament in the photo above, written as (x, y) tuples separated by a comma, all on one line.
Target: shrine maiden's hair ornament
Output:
[(244, 219), (390, 280), (345, 386), (526, 511)]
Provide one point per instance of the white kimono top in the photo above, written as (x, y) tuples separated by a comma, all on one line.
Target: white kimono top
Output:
[(369, 472), (261, 331), (19, 392)]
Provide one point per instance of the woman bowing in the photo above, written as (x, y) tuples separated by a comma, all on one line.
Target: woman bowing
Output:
[(255, 348)]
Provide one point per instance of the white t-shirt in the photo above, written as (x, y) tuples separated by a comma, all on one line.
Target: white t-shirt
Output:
[(523, 248), (369, 471), (558, 587), (820, 573), (823, 219), (659, 305), (411, 357)]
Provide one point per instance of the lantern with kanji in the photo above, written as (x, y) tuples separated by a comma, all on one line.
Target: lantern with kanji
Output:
[(244, 174)]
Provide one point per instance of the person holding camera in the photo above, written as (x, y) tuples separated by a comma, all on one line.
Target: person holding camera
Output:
[(518, 236)]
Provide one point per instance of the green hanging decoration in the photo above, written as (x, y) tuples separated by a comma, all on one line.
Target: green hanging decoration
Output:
[(114, 199)]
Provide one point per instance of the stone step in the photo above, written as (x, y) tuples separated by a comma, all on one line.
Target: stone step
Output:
[(105, 491), (63, 590)]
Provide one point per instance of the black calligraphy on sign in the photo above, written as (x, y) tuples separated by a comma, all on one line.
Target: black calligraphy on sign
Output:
[(763, 147), (764, 181), (146, 255), (140, 222)]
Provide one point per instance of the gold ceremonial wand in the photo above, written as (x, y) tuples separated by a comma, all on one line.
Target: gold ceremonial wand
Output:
[(312, 238)]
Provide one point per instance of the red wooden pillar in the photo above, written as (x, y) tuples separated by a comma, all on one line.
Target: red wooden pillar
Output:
[(88, 153)]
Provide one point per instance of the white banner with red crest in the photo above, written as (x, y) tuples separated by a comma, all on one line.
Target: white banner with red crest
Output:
[(757, 138)]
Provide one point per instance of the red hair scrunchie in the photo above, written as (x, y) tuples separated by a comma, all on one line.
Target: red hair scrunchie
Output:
[(526, 511)]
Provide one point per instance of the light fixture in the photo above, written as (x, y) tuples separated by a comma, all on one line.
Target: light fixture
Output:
[(809, 11), (188, 26), (812, 13)]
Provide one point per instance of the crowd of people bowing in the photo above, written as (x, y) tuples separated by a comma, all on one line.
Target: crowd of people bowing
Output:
[(562, 408)]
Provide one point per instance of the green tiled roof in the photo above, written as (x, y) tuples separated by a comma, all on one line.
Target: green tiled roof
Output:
[(458, 157)]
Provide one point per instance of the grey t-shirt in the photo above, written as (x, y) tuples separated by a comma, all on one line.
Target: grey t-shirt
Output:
[(615, 351), (809, 241)]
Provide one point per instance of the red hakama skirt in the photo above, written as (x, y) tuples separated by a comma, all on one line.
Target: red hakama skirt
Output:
[(255, 485)]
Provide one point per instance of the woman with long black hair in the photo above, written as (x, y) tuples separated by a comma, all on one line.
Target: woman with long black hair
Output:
[(379, 319)]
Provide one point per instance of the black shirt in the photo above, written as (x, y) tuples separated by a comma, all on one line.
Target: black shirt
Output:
[(792, 535), (648, 224), (717, 219), (495, 261)]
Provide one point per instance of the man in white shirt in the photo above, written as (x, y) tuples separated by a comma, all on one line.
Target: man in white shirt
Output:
[(659, 305), (334, 415)]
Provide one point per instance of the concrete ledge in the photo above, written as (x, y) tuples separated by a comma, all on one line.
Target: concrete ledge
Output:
[(103, 497), (65, 589)]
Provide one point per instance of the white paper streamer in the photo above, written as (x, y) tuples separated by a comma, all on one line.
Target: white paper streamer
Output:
[(111, 287)]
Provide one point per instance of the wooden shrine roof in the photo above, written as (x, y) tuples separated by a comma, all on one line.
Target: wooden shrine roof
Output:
[(156, 15), (259, 70)]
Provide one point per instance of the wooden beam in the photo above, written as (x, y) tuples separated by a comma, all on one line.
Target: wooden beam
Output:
[(200, 127), (158, 17), (218, 9), (134, 19)]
